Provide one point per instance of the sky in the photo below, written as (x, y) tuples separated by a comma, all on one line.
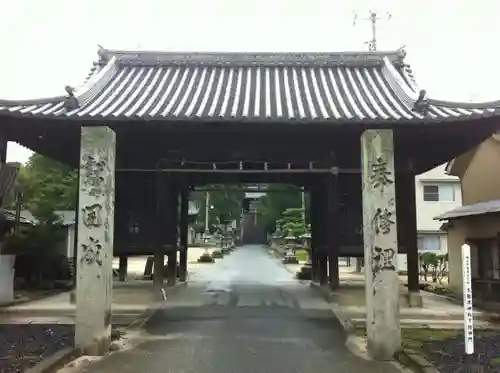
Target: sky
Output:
[(52, 43)]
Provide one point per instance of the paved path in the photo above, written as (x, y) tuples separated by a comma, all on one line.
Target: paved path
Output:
[(244, 314)]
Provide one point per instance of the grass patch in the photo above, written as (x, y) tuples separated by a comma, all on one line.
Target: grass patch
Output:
[(301, 255), (415, 337)]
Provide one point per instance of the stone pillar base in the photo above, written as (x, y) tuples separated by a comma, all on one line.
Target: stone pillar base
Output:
[(414, 300), (98, 347)]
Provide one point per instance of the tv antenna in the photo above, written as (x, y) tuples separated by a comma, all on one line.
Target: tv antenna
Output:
[(373, 18)]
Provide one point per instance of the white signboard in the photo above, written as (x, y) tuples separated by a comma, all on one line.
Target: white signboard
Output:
[(467, 288)]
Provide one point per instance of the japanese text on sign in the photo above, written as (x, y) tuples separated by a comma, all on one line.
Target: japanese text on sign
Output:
[(467, 289)]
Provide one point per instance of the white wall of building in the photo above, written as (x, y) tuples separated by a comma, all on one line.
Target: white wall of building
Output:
[(435, 193)]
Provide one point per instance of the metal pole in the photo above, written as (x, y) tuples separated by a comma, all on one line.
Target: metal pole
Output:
[(303, 196), (373, 19), (207, 209)]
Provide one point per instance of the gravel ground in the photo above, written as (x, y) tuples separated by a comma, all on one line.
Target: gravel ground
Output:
[(24, 345), (448, 354)]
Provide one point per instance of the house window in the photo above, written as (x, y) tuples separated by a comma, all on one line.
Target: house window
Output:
[(429, 242), (439, 193), (489, 259)]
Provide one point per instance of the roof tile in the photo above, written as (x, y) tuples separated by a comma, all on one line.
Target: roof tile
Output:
[(341, 87)]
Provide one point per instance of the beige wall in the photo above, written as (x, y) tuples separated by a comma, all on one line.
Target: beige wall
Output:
[(479, 227), (481, 181)]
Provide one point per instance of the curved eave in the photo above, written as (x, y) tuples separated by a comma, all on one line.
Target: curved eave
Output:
[(376, 122)]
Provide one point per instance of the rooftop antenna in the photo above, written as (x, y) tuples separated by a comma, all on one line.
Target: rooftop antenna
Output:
[(373, 18)]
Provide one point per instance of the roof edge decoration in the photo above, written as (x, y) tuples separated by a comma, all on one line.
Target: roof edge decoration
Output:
[(95, 83), (155, 58), (342, 87)]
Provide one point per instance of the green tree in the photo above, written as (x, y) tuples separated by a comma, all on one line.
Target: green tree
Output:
[(226, 202), (292, 222), (276, 201), (46, 185)]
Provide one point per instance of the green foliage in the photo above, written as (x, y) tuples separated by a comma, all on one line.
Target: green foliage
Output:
[(434, 263), (35, 249), (292, 223), (46, 185), (226, 201), (301, 255), (274, 203)]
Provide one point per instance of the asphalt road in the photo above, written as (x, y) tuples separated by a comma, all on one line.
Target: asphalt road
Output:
[(244, 314)]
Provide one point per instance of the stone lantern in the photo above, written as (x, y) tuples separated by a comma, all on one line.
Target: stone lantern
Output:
[(306, 270), (290, 257), (206, 257)]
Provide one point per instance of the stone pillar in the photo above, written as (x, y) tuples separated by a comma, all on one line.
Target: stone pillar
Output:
[(172, 229), (380, 243), (122, 268), (96, 197), (407, 228), (6, 261), (183, 231), (332, 230)]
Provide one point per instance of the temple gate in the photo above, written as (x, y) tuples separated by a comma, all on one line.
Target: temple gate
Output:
[(351, 128)]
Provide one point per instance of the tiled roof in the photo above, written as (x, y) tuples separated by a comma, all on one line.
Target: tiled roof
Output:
[(480, 208), (331, 87), (25, 216)]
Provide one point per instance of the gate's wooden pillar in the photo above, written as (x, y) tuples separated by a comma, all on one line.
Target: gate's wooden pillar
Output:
[(318, 235), (173, 233), (161, 233), (380, 243), (95, 240), (332, 229), (122, 268), (407, 227), (315, 233), (323, 240), (183, 230)]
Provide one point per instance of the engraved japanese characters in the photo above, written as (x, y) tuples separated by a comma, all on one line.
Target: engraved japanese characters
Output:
[(96, 207), (92, 252), (383, 219)]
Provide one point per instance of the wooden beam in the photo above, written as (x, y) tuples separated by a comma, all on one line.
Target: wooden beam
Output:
[(218, 171)]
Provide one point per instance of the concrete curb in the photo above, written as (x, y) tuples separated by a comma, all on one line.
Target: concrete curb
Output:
[(56, 361), (62, 357), (415, 361), (408, 358), (24, 300)]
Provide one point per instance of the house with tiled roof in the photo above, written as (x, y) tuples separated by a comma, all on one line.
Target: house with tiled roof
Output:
[(477, 221)]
